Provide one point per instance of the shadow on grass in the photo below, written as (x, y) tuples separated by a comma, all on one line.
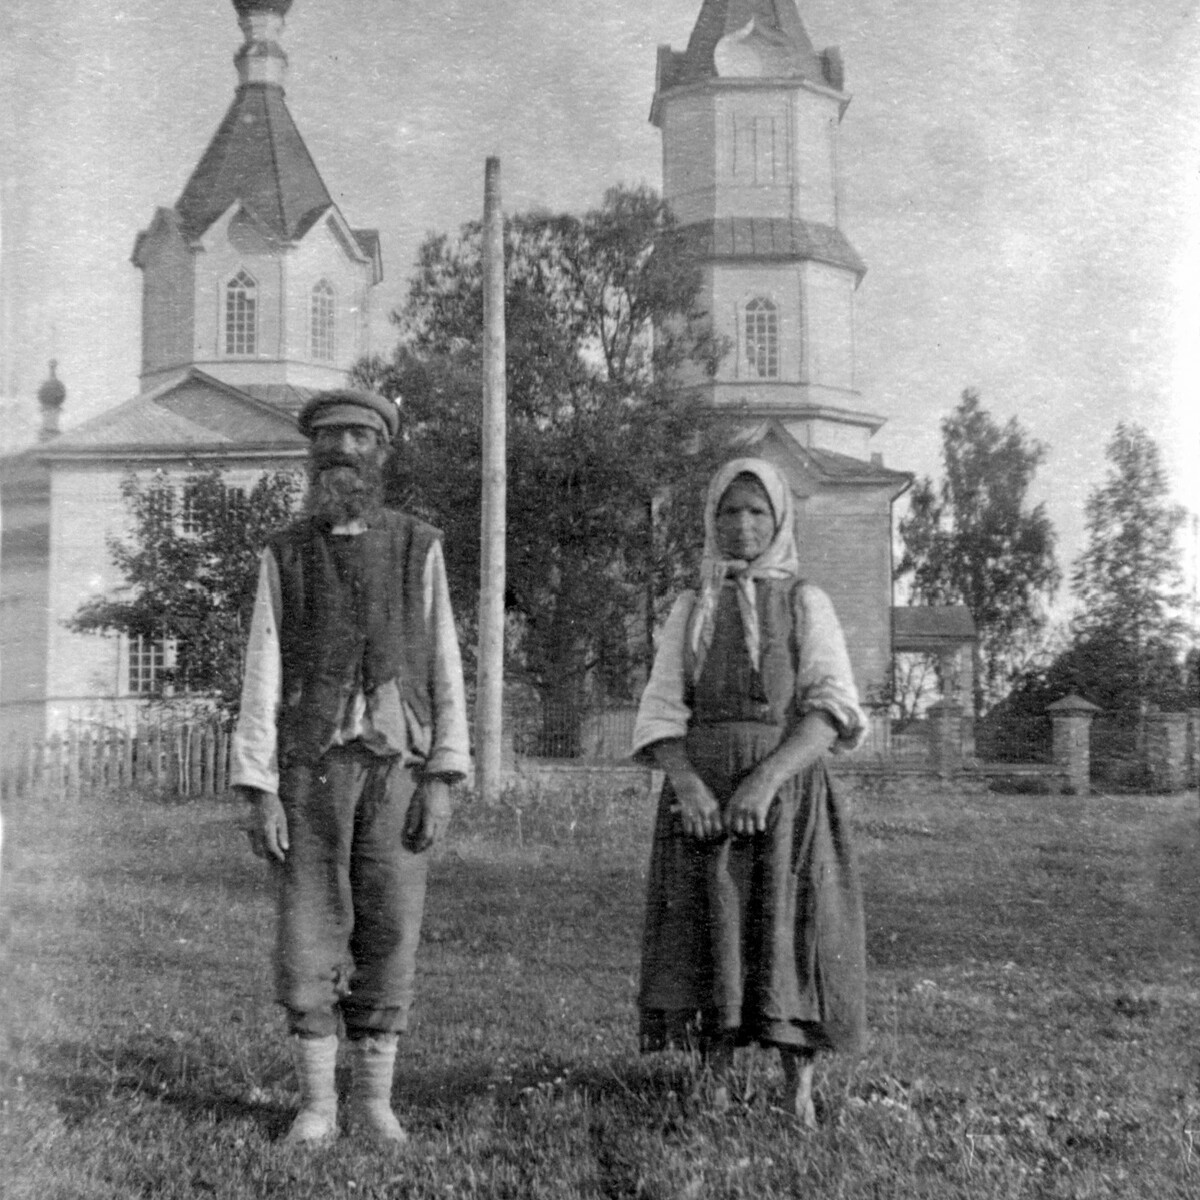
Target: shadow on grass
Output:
[(82, 1081)]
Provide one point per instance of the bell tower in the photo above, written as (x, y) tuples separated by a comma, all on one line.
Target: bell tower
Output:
[(254, 275), (750, 115)]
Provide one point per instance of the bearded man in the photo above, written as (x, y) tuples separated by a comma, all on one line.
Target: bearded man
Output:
[(352, 728)]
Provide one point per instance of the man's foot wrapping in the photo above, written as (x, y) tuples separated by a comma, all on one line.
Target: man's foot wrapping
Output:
[(373, 1062), (315, 1062)]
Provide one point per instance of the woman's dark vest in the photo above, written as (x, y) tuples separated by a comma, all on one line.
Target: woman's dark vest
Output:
[(730, 688), (353, 618)]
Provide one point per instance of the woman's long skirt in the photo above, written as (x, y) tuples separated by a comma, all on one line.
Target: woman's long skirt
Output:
[(755, 937)]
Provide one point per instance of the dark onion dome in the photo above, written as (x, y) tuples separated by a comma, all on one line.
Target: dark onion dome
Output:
[(52, 394), (246, 7)]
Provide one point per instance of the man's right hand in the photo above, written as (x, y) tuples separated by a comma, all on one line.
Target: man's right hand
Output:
[(266, 826)]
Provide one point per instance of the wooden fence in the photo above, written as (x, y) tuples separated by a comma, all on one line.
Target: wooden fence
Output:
[(184, 758)]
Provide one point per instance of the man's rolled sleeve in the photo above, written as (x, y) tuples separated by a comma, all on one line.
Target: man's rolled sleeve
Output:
[(450, 747), (253, 753), (662, 712)]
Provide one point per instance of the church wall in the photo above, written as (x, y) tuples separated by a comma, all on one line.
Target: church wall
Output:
[(24, 582), (814, 163), (754, 157), (318, 257), (86, 675), (85, 507), (829, 325), (751, 152), (689, 148), (168, 302), (731, 286), (845, 548), (233, 244)]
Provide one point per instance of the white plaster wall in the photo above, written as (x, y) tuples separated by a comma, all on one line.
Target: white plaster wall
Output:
[(754, 153), (85, 507), (829, 324), (320, 256), (230, 244), (814, 162), (731, 286), (86, 673), (751, 152), (689, 162)]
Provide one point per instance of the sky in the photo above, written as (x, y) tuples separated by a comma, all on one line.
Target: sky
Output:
[(1022, 179)]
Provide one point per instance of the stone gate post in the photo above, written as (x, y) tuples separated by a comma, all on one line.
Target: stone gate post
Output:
[(1167, 751), (947, 720), (1072, 720)]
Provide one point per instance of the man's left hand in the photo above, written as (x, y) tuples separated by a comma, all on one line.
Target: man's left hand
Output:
[(428, 815)]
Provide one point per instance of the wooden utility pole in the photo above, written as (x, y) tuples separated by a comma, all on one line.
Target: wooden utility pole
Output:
[(489, 691)]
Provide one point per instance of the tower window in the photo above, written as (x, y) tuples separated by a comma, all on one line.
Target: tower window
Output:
[(241, 308), (761, 330), (324, 345)]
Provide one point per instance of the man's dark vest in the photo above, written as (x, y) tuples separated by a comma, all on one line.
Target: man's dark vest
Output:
[(353, 617)]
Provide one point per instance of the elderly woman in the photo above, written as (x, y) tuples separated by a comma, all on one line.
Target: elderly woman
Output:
[(754, 930)]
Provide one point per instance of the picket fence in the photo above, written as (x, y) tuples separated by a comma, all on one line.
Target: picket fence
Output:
[(184, 758)]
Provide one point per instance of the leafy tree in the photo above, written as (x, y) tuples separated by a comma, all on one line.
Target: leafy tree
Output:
[(603, 505), (190, 568), (1128, 580), (973, 540)]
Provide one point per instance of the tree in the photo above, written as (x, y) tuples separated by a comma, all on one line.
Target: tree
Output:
[(600, 317), (1128, 580), (974, 541), (189, 570)]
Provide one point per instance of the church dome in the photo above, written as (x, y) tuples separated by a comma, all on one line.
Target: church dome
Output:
[(52, 394)]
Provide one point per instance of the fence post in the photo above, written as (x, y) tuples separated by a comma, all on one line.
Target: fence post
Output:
[(1166, 751), (946, 717), (1193, 747), (1071, 718)]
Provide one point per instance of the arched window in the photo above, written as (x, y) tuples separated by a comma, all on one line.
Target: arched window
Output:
[(241, 310), (323, 323), (761, 338)]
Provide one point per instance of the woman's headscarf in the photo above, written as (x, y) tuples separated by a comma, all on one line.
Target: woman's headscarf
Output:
[(780, 560)]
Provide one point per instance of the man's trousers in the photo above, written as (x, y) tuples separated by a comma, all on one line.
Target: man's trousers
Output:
[(350, 895)]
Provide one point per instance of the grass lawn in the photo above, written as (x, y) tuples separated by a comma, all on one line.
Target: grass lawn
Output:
[(1032, 995)]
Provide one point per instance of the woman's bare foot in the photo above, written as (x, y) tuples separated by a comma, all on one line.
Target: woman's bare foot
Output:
[(798, 1067), (716, 1077)]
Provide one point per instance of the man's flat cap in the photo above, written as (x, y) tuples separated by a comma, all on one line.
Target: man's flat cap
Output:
[(350, 406)]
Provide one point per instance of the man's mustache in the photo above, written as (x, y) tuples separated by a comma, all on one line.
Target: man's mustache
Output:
[(337, 459)]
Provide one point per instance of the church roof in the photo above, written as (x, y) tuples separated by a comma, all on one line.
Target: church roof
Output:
[(843, 468), (775, 24), (778, 238), (828, 467), (926, 626), (258, 158), (191, 414)]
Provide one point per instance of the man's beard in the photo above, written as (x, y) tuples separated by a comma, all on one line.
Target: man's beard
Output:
[(341, 489)]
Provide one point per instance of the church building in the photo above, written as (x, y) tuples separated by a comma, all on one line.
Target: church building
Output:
[(256, 292), (750, 115)]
